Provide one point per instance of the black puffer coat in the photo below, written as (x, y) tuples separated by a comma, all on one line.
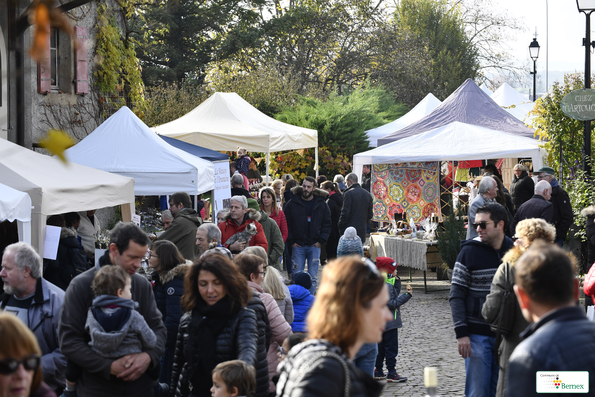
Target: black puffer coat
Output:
[(238, 340), (306, 372), (521, 189), (335, 203), (264, 340)]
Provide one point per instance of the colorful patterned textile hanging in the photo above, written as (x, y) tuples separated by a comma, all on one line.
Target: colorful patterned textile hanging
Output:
[(413, 188)]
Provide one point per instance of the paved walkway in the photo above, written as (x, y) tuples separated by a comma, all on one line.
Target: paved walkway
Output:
[(427, 339)]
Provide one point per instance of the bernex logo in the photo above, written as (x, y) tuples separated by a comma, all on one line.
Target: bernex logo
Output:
[(562, 381)]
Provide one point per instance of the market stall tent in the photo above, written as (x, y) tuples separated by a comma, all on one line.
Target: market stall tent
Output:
[(453, 142), (468, 104), (424, 107), (203, 153), (16, 205), (506, 96), (225, 121), (124, 145), (57, 188)]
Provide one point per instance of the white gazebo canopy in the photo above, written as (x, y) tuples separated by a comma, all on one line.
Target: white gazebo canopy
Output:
[(16, 205), (57, 188), (226, 121), (423, 108), (453, 142), (124, 145), (506, 96)]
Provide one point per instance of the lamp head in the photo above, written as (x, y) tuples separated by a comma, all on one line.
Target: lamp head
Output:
[(534, 49), (586, 6)]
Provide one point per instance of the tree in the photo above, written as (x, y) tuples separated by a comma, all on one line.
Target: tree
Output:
[(454, 57), (179, 38)]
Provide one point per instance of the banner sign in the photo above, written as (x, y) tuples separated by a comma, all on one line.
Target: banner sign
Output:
[(579, 104)]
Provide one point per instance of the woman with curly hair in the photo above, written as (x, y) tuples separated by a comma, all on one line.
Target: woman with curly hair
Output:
[(217, 326), (527, 232)]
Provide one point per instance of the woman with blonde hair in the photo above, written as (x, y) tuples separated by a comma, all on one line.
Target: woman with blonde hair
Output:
[(350, 310), (273, 284), (527, 232), (20, 360)]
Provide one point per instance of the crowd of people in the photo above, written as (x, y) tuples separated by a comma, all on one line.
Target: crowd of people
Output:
[(235, 307)]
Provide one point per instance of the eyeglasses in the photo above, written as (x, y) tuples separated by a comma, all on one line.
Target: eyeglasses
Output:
[(264, 273), (481, 225), (10, 365), (151, 255)]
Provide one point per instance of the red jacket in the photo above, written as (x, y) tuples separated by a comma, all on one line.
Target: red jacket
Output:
[(229, 228), (281, 222), (589, 284)]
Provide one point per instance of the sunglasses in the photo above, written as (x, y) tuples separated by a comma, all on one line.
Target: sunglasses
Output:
[(481, 225), (10, 365), (372, 269)]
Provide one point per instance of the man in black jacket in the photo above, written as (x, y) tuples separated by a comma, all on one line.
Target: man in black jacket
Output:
[(563, 215), (560, 337), (309, 226), (357, 208), (126, 376), (537, 207)]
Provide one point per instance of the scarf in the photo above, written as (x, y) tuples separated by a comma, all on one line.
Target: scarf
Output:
[(207, 324)]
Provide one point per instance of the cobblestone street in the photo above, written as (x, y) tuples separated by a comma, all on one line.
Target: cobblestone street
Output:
[(427, 339)]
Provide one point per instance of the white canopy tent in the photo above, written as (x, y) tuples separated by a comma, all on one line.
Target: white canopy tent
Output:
[(485, 89), (506, 96), (521, 112), (124, 145), (226, 121), (15, 205), (423, 108), (453, 142), (56, 188)]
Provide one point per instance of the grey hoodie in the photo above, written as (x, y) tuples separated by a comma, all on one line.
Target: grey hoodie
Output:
[(133, 336)]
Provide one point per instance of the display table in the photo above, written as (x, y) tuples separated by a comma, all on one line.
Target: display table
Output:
[(414, 254)]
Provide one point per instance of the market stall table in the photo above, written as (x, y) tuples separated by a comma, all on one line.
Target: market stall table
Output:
[(414, 254)]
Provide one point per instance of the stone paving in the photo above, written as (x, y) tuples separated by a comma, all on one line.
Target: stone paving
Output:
[(427, 339)]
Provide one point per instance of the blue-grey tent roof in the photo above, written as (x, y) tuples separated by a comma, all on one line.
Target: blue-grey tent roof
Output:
[(468, 104), (203, 153)]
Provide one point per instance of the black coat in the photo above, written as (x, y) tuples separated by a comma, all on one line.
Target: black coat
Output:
[(263, 327), (297, 220), (536, 207), (521, 189), (563, 215), (238, 340), (324, 376), (589, 212), (357, 210), (335, 203)]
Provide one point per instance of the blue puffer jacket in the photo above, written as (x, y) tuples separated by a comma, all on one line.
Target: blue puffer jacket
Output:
[(395, 302), (168, 291), (302, 302)]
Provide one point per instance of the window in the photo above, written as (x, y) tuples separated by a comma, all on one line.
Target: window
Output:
[(54, 59)]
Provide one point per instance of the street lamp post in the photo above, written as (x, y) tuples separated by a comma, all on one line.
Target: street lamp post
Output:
[(534, 53), (587, 7)]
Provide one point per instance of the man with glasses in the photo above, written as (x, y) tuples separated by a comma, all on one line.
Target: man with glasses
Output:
[(563, 215), (471, 281), (488, 190)]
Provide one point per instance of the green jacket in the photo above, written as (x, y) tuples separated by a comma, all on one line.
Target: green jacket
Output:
[(274, 238), (182, 232)]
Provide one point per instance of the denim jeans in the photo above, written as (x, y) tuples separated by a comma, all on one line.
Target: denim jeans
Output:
[(389, 348), (312, 254), (365, 358), (481, 369)]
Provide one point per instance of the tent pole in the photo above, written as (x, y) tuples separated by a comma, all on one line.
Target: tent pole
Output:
[(316, 161), (267, 168)]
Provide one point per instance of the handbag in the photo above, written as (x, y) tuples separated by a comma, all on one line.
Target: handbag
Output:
[(507, 314)]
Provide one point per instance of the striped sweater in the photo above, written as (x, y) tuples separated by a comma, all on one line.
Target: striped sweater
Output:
[(472, 277)]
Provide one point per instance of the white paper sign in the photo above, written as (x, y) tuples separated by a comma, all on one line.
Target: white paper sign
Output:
[(222, 190), (136, 219), (52, 240)]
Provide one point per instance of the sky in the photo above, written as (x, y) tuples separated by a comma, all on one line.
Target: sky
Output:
[(566, 27)]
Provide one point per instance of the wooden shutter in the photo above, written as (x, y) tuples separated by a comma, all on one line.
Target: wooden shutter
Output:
[(81, 84), (44, 71)]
